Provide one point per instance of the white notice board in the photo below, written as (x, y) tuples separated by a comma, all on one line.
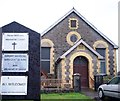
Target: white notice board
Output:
[(15, 41), (13, 85), (14, 62)]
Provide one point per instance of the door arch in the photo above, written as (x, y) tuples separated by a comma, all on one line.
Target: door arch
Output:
[(80, 65)]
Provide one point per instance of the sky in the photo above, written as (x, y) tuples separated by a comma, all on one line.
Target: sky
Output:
[(41, 14)]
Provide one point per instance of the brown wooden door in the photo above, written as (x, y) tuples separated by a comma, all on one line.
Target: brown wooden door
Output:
[(81, 66)]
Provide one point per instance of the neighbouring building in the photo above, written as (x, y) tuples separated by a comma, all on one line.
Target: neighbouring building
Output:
[(73, 45)]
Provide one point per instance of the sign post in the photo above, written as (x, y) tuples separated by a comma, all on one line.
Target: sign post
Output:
[(20, 65)]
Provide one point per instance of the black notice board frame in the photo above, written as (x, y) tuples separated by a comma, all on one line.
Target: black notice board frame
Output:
[(33, 73)]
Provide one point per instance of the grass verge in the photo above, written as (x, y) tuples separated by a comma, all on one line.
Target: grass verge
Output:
[(61, 97), (65, 97)]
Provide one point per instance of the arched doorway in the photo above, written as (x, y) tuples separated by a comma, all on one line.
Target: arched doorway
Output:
[(80, 65)]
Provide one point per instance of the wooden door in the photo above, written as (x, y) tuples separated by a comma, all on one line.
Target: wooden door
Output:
[(80, 66)]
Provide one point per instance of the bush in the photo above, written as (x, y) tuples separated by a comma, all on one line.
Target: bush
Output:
[(107, 78)]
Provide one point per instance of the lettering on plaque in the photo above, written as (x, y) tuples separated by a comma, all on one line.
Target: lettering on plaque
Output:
[(14, 62), (15, 41), (13, 85)]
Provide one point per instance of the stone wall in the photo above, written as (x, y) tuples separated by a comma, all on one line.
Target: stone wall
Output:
[(58, 35)]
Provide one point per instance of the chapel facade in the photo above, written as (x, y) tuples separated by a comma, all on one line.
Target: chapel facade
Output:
[(73, 45)]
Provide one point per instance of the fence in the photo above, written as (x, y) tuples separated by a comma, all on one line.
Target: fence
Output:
[(51, 84)]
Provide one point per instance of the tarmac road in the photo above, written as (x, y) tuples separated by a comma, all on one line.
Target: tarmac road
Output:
[(94, 95)]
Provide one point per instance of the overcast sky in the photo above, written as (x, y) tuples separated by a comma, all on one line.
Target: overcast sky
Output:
[(40, 14)]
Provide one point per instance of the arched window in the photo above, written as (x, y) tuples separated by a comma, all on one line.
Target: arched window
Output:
[(102, 52), (45, 59), (46, 56), (102, 48)]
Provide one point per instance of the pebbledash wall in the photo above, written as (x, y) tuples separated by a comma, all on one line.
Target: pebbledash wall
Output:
[(58, 36)]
